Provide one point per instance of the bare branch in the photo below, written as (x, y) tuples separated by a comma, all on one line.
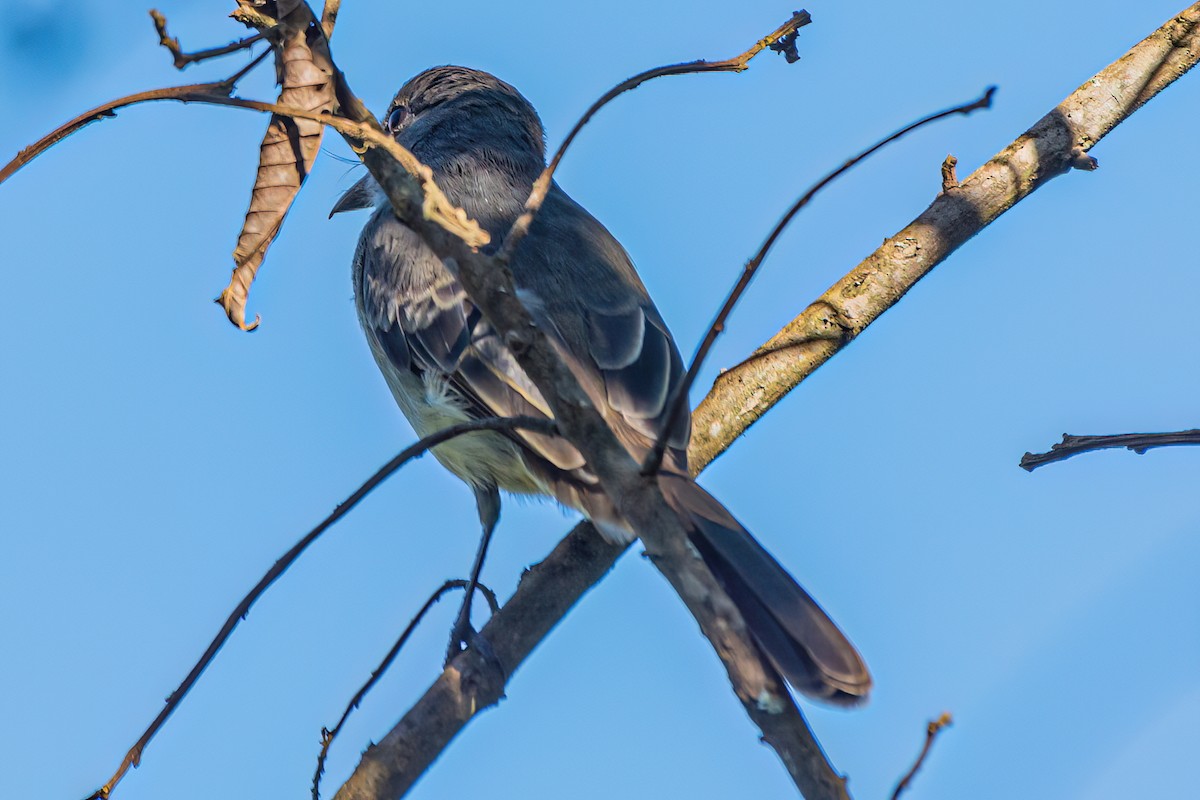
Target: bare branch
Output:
[(190, 93), (549, 589), (329, 734), (679, 399), (183, 59), (1072, 445), (931, 733), (782, 39), (1173, 50), (639, 500), (423, 200), (1048, 149), (134, 756)]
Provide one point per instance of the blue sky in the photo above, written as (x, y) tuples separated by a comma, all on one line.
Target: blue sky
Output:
[(154, 461)]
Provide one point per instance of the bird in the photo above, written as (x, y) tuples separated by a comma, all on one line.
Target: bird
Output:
[(445, 364)]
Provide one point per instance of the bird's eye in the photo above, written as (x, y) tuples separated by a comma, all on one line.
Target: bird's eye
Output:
[(396, 118)]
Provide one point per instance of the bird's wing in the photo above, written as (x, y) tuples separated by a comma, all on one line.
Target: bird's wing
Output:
[(421, 318), (581, 286)]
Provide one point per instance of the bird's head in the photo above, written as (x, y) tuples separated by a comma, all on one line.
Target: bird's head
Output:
[(446, 114)]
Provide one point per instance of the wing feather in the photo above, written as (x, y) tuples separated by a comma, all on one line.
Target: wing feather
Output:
[(425, 324)]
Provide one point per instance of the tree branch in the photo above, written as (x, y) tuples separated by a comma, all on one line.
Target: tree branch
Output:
[(190, 93), (932, 730), (1139, 443), (387, 768), (182, 59), (1058, 142), (741, 396), (134, 756), (416, 200), (679, 398), (329, 734), (782, 39)]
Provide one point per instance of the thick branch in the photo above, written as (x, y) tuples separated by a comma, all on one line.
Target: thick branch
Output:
[(679, 398), (416, 199), (549, 589), (1139, 443), (387, 769), (1050, 148)]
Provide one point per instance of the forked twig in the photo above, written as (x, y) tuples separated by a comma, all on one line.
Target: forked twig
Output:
[(328, 734), (1072, 445), (134, 756), (782, 40), (183, 59), (931, 732), (678, 400)]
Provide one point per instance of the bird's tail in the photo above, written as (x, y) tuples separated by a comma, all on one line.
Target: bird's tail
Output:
[(795, 634)]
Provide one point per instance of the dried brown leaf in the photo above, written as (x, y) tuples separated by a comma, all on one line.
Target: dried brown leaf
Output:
[(289, 147)]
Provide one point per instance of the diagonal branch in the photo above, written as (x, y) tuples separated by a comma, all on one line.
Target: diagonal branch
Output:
[(193, 92), (416, 200), (1055, 144), (548, 590), (329, 734), (134, 756), (385, 771), (679, 399)]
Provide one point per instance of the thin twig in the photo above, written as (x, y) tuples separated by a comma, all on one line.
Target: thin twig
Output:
[(1072, 445), (190, 93), (364, 135), (183, 59), (329, 734), (931, 732), (679, 399), (774, 40), (743, 395), (134, 756)]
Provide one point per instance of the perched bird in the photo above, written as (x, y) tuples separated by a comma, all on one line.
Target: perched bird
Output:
[(445, 364)]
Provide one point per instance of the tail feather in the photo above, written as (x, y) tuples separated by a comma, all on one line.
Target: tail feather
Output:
[(795, 634)]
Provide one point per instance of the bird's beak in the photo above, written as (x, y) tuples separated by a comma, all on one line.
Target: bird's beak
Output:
[(361, 195)]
